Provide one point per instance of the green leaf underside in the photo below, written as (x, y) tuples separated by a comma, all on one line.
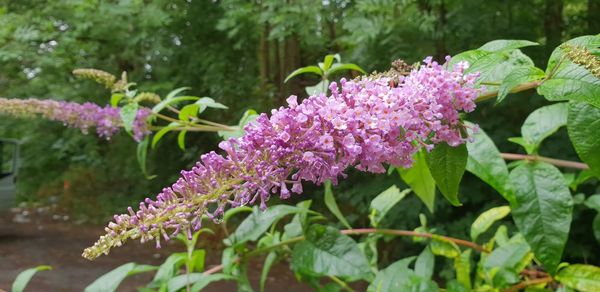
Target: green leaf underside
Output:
[(24, 277), (111, 280), (503, 45), (259, 222), (542, 210), (303, 70), (326, 251), (384, 202), (393, 277), (419, 179), (128, 113), (486, 219), (544, 122), (571, 81), (447, 165), (516, 77), (583, 124)]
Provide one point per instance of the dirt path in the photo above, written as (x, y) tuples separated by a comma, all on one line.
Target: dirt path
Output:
[(38, 238)]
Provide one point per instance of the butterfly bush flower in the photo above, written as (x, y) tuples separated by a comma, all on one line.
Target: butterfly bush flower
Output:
[(106, 120), (364, 124)]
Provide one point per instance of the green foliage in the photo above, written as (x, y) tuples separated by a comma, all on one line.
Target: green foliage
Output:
[(111, 280), (333, 206), (486, 219), (326, 251), (583, 118), (420, 180), (384, 202), (24, 277), (542, 210), (542, 123), (447, 165)]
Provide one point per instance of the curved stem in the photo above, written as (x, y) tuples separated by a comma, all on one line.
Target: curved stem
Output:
[(522, 87), (526, 283), (557, 162)]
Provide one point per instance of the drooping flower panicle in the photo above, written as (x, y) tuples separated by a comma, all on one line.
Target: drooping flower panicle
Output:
[(106, 120), (364, 124)]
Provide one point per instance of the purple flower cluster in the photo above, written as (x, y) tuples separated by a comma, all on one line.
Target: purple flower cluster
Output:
[(106, 120), (364, 123)]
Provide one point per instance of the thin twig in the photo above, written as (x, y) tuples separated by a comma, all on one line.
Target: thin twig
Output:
[(557, 162), (522, 87), (526, 283)]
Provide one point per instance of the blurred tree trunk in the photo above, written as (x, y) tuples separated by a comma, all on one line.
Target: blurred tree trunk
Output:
[(291, 59), (593, 16), (263, 57), (553, 24), (440, 39)]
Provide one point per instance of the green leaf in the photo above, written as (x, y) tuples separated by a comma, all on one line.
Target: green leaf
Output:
[(587, 41), (503, 45), (425, 264), (486, 219), (393, 277), (162, 132), (580, 277), (269, 261), (384, 202), (327, 61), (167, 270), (583, 123), (166, 102), (462, 265), (181, 139), (115, 98), (141, 154), (181, 281), (189, 111), (447, 165), (508, 256), (344, 67), (544, 122), (128, 113), (205, 102), (175, 92), (111, 280), (24, 277), (419, 179), (259, 221), (444, 247), (593, 202), (326, 251), (230, 212), (333, 206), (303, 70), (518, 76), (197, 260), (494, 67), (572, 83), (486, 163), (542, 210), (202, 282), (596, 227)]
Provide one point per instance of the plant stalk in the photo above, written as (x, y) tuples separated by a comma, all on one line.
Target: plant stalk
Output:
[(553, 161)]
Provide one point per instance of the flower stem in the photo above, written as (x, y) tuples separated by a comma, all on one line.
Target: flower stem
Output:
[(524, 284), (522, 87), (557, 162)]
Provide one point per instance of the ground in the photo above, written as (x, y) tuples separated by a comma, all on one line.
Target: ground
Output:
[(39, 236)]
